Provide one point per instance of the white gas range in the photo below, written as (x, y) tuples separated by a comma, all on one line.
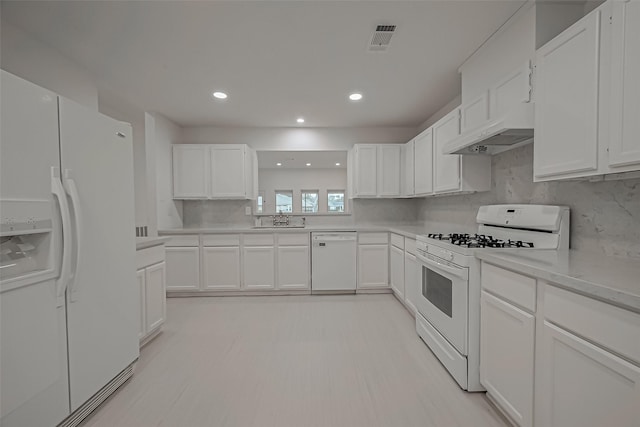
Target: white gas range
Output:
[(448, 318)]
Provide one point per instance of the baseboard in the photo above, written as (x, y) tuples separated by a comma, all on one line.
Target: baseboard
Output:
[(97, 399)]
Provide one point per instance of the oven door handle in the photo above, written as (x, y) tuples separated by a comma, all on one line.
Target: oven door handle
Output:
[(461, 273)]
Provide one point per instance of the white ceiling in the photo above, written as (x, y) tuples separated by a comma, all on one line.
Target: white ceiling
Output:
[(277, 60)]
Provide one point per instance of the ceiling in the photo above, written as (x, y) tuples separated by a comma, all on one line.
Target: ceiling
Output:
[(277, 60), (299, 159)]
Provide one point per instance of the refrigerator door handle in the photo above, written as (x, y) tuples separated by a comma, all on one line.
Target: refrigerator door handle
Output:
[(72, 191), (65, 265)]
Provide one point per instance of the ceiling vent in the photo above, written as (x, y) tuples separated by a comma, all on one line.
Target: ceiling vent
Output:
[(381, 38)]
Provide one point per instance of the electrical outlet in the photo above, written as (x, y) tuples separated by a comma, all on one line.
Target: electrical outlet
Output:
[(247, 210)]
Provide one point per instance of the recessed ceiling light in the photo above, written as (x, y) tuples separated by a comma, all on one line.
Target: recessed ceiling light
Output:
[(300, 120), (308, 164), (278, 164), (337, 164), (220, 95), (355, 96)]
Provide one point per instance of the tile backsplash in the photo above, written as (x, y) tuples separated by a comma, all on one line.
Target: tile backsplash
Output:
[(605, 216)]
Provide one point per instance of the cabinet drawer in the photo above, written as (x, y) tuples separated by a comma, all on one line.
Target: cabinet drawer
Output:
[(514, 287), (293, 239), (604, 324), (186, 240), (410, 246), (149, 256), (397, 240), (221, 240), (258, 239), (373, 238)]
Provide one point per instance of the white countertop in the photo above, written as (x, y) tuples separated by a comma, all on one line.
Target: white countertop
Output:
[(147, 242), (406, 230), (613, 280)]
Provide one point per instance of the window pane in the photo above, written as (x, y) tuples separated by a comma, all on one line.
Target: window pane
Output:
[(284, 201), (309, 201), (335, 201), (259, 204)]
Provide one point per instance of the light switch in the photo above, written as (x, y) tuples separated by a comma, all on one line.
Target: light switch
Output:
[(247, 210)]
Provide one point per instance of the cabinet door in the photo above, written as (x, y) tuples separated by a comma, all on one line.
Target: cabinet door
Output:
[(423, 163), (566, 108), (155, 296), (396, 263), (365, 168), (140, 276), (373, 266), (581, 385), (474, 113), (507, 356), (183, 269), (446, 166), (388, 173), (293, 267), (258, 268), (624, 146), (221, 268), (408, 175), (411, 281), (228, 171), (190, 171)]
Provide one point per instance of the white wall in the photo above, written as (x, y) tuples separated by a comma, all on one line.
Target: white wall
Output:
[(33, 60), (298, 180), (165, 133), (298, 139)]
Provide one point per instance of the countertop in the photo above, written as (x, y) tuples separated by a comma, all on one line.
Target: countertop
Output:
[(147, 242), (610, 279), (410, 231)]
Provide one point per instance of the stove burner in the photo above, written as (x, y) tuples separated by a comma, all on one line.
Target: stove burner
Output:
[(479, 241)]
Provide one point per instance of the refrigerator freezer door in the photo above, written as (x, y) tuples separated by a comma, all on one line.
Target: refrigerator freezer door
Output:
[(97, 155), (33, 345)]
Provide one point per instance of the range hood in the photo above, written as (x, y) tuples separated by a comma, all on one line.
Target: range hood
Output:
[(511, 130)]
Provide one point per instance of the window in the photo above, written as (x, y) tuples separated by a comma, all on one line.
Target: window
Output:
[(284, 200), (260, 203), (335, 200), (310, 200)]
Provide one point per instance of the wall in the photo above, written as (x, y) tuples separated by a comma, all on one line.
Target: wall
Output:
[(165, 133), (24, 56), (300, 179), (296, 138), (605, 216)]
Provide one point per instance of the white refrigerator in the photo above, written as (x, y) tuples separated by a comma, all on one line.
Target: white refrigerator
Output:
[(68, 295)]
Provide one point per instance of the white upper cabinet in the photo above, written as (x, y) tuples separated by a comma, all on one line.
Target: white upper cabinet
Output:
[(190, 171), (423, 163), (567, 108), (446, 167), (214, 171), (408, 176), (376, 170), (389, 170), (624, 149)]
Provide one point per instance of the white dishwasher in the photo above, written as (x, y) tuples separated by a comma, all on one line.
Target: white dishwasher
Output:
[(333, 261)]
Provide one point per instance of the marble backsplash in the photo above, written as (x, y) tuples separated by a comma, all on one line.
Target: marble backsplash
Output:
[(231, 213), (605, 216)]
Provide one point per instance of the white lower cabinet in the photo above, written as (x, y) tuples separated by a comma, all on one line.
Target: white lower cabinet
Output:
[(293, 267), (580, 384), (259, 273), (396, 264), (507, 356), (411, 281), (552, 358), (373, 260), (151, 279), (183, 268), (221, 268)]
